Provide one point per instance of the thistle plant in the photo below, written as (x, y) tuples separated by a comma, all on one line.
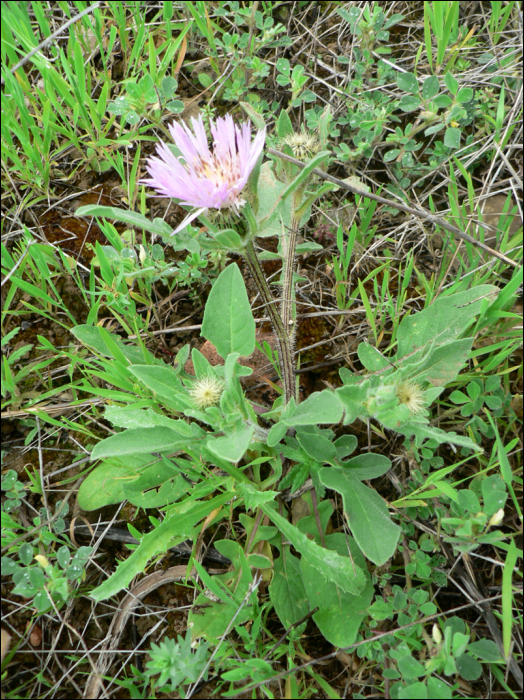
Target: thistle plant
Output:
[(211, 422)]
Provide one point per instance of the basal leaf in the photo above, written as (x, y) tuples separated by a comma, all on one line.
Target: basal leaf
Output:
[(175, 528), (368, 517), (339, 570), (105, 484), (367, 466), (340, 614), (139, 441), (133, 218), (252, 497), (91, 336), (287, 591)]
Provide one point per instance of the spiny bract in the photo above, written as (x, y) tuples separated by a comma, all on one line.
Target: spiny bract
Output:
[(302, 144)]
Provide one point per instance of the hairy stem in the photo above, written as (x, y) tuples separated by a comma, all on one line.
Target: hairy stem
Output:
[(285, 352), (289, 242)]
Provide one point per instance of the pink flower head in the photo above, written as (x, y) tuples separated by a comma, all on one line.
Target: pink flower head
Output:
[(207, 179)]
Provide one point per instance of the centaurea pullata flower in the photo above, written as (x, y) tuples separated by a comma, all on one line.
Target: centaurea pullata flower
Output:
[(208, 179)]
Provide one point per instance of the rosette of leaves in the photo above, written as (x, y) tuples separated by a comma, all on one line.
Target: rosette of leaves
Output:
[(177, 663)]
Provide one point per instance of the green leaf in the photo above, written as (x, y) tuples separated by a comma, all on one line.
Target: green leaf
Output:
[(105, 485), (231, 588), (372, 359), (175, 528), (130, 417), (339, 570), (409, 103), (468, 667), (317, 446), (438, 690), (205, 80), (228, 320), (444, 363), (139, 441), (507, 596), (451, 83), (380, 610), (391, 155), (427, 432), (287, 591), (415, 691), (367, 466), (273, 211), (253, 498), (505, 466), (351, 397), (276, 433), (155, 487), (229, 239), (459, 644), (319, 407), (452, 137), (345, 444), (464, 95), (259, 561), (340, 615), (284, 125), (408, 82), (232, 446), (368, 517), (494, 494), (133, 218), (487, 650), (430, 87), (164, 382), (91, 336), (458, 397), (468, 500), (410, 667)]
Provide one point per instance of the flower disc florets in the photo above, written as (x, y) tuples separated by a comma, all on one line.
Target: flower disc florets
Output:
[(412, 396), (302, 144), (205, 178), (206, 391)]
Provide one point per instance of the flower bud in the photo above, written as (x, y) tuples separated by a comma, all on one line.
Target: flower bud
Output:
[(436, 634), (43, 561), (496, 518)]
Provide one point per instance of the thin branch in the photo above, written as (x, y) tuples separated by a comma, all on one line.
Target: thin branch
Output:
[(421, 213)]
